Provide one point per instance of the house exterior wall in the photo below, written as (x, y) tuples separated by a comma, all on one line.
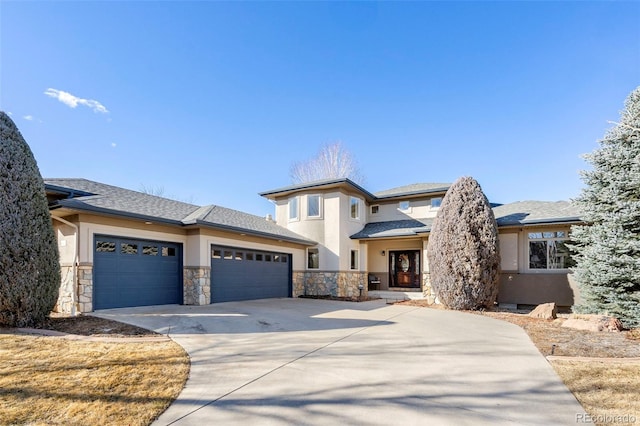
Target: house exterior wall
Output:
[(331, 231), (196, 254), (66, 236), (534, 289), (329, 283), (521, 285), (419, 208)]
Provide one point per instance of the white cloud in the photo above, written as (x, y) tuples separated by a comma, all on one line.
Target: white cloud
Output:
[(113, 144), (9, 112), (73, 101), (28, 117)]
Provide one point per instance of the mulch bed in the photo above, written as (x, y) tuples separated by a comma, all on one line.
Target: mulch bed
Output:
[(86, 325), (342, 299)]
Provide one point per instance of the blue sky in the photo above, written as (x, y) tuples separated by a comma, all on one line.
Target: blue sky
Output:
[(213, 101)]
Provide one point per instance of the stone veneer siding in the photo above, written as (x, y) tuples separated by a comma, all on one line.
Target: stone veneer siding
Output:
[(197, 285), (427, 290), (65, 296), (324, 283), (85, 287)]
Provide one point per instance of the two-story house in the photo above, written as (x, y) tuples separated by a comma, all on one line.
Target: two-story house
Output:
[(124, 248)]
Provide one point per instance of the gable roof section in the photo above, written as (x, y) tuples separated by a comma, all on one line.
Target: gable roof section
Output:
[(90, 196), (521, 213)]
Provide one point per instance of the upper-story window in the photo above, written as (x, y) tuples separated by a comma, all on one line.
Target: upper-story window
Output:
[(354, 203), (435, 202), (404, 206), (548, 250), (313, 205), (293, 209)]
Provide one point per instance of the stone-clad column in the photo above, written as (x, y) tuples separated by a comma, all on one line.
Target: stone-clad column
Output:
[(197, 285)]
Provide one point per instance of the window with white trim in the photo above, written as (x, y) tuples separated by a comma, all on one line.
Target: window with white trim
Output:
[(293, 209), (404, 206), (354, 204), (548, 250), (354, 259), (314, 206), (375, 209), (435, 202), (313, 258)]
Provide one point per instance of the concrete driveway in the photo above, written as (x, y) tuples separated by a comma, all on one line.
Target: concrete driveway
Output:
[(317, 362)]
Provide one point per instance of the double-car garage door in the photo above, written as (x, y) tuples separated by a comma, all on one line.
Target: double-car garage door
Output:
[(134, 272), (245, 274), (131, 272)]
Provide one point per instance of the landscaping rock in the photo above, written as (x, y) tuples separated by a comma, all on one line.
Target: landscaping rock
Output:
[(544, 311), (593, 323)]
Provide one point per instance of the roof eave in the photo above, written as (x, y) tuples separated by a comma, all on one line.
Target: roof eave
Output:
[(412, 194), (240, 230), (553, 221), (115, 213), (332, 183)]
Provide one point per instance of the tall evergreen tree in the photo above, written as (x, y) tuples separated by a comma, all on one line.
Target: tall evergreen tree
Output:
[(463, 250), (608, 248), (29, 268)]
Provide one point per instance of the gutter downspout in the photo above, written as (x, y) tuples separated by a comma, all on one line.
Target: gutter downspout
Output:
[(74, 266)]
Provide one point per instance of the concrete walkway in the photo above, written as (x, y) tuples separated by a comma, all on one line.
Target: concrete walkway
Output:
[(318, 362)]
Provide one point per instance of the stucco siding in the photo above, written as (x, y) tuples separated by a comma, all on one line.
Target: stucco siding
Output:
[(534, 289)]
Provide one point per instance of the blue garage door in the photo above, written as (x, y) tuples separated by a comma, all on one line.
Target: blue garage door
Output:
[(244, 274), (130, 272)]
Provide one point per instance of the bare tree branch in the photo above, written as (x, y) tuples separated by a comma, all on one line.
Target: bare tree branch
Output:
[(333, 161)]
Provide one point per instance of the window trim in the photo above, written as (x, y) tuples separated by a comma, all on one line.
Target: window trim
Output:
[(407, 210), (297, 209), (546, 240), (354, 259), (358, 203), (320, 206), (317, 252), (377, 209), (431, 203)]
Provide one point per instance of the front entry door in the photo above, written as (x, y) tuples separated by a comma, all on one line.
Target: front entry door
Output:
[(404, 268)]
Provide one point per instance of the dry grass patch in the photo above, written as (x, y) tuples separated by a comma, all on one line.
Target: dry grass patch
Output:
[(52, 381), (608, 391)]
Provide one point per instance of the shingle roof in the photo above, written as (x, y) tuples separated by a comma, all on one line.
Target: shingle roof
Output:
[(108, 199), (536, 212), (402, 191), (519, 213), (327, 183), (416, 188), (395, 228), (116, 199)]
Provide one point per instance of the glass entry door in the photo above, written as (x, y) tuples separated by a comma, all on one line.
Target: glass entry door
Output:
[(404, 268)]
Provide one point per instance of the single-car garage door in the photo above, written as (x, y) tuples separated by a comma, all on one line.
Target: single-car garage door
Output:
[(131, 272), (245, 274)]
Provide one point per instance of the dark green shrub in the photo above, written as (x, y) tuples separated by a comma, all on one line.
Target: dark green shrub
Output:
[(463, 251), (29, 268)]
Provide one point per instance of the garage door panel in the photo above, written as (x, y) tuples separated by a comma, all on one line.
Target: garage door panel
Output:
[(244, 274), (129, 272)]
